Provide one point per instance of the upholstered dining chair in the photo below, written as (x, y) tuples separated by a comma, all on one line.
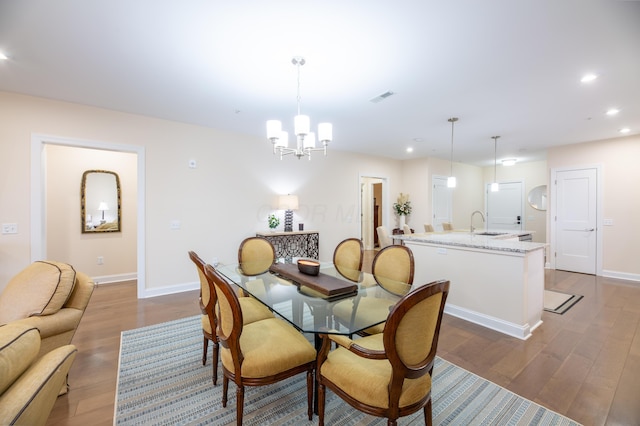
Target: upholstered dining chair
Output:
[(384, 239), (393, 269), (406, 229), (253, 311), (260, 353), (256, 255), (428, 227), (389, 374), (347, 258), (447, 226)]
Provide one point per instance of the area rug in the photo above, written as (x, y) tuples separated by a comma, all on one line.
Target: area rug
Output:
[(558, 302), (161, 381)]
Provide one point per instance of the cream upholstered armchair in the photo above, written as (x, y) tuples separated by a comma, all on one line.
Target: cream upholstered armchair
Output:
[(383, 237), (392, 269), (50, 296), (406, 229), (29, 384), (428, 227), (447, 226), (252, 309), (260, 353), (347, 258), (389, 374)]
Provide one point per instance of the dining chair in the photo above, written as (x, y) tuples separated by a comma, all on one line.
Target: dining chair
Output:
[(259, 353), (347, 258), (406, 229), (388, 374), (428, 227), (392, 269), (256, 255), (447, 226), (384, 239), (254, 311)]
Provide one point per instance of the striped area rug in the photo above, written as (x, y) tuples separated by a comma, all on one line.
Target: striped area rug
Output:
[(161, 381)]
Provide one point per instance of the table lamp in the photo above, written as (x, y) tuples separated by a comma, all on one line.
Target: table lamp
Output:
[(102, 207), (288, 203)]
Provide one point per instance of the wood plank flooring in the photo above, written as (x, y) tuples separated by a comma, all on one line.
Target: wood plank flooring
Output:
[(584, 364)]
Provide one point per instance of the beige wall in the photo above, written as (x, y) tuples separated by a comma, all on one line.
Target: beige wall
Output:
[(225, 199), (65, 241), (237, 180), (620, 197)]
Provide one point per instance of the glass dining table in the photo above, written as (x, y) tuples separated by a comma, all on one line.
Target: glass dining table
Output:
[(311, 311)]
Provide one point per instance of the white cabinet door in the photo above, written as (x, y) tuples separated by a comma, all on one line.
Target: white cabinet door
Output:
[(442, 201)]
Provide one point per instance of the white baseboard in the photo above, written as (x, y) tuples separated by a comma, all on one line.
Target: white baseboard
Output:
[(173, 289), (522, 332), (621, 275), (118, 278)]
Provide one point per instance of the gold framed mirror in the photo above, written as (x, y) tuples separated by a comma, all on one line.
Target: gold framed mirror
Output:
[(100, 202)]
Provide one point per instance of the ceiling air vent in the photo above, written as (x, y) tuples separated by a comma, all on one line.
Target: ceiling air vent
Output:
[(381, 97)]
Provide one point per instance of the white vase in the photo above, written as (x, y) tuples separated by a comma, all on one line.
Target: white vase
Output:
[(401, 221)]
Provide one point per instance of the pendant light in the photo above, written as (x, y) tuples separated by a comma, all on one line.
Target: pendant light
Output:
[(495, 186), (451, 180)]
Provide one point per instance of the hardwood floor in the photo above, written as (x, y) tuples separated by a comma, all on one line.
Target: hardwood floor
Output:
[(584, 364)]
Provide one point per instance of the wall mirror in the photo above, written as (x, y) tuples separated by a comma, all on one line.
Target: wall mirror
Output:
[(100, 201), (538, 197)]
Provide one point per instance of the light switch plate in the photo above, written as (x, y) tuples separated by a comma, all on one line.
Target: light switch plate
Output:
[(9, 228), (607, 222)]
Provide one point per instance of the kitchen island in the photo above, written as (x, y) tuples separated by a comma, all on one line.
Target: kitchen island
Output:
[(497, 281)]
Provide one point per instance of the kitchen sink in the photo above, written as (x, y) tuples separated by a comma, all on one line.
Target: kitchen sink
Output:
[(489, 233)]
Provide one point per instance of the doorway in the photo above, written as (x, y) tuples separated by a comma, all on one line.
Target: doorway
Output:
[(373, 196), (38, 194), (575, 211)]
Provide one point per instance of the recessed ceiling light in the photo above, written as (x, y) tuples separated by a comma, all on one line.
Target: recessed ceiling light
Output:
[(509, 161), (588, 78), (625, 130), (3, 56), (613, 111), (409, 150)]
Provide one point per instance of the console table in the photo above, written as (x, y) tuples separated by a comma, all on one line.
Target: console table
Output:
[(295, 243)]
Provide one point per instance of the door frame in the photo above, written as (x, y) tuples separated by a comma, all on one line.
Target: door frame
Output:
[(553, 212), (38, 194), (383, 203)]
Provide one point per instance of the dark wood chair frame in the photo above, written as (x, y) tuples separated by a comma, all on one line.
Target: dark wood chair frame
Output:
[(337, 250), (208, 309), (232, 342), (401, 371)]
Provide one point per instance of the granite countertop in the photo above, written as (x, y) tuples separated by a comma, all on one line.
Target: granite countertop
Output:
[(466, 239)]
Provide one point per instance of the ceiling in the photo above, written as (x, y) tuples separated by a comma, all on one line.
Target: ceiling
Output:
[(504, 67)]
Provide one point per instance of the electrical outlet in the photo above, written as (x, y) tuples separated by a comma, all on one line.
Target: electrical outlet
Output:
[(607, 222), (9, 228), (100, 260)]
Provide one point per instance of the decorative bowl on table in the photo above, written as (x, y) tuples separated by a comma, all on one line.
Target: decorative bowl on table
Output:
[(308, 266)]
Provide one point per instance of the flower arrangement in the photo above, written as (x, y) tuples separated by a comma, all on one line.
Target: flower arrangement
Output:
[(403, 206), (273, 221)]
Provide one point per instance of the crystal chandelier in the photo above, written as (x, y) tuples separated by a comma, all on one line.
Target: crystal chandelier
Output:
[(305, 139)]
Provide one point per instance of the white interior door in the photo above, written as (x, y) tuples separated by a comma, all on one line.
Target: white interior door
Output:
[(441, 202), (505, 207), (576, 220)]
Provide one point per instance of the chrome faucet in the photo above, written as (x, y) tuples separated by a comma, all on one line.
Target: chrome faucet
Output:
[(472, 214)]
